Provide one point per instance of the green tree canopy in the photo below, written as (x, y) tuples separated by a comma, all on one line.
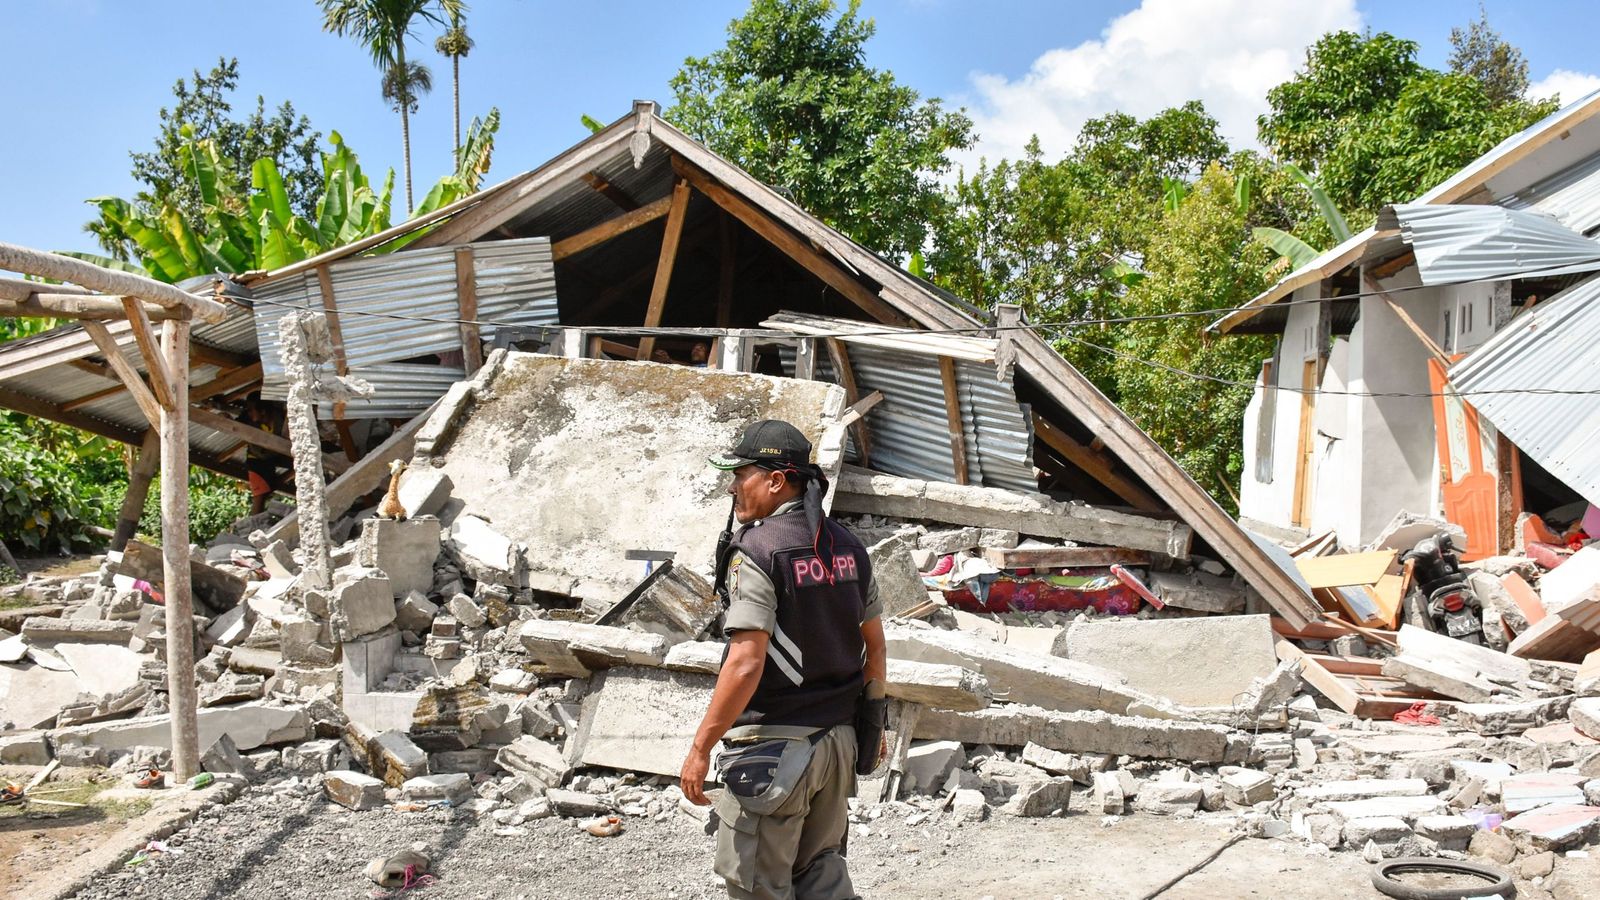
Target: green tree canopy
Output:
[(1479, 51), (792, 99)]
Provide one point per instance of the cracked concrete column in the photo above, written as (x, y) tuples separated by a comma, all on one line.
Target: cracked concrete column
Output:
[(296, 340)]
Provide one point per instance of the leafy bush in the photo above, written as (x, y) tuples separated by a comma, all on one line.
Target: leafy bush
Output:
[(214, 504), (50, 497)]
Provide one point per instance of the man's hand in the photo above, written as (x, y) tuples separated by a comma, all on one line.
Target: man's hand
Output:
[(692, 778)]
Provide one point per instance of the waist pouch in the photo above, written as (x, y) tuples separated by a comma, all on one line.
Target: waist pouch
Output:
[(762, 774)]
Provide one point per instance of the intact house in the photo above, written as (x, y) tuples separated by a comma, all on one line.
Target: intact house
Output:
[(1432, 364), (640, 244)]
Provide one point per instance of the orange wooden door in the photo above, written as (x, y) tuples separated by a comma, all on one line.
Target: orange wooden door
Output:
[(1469, 488)]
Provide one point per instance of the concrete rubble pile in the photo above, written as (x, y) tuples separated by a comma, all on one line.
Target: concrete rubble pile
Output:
[(503, 652)]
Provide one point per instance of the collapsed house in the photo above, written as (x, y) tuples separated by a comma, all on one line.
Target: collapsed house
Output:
[(531, 618)]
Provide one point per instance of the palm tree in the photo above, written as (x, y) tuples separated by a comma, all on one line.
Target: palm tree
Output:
[(382, 26), (455, 44)]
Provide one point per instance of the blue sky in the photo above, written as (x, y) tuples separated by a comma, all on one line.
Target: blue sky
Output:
[(85, 78)]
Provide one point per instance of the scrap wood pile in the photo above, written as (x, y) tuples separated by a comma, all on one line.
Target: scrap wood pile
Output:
[(457, 663)]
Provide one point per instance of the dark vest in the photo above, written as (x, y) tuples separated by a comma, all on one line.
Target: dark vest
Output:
[(813, 673)]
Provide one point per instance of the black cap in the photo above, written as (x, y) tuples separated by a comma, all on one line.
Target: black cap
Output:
[(767, 441)]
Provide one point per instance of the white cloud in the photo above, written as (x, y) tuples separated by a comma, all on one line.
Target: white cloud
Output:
[(1225, 53), (1570, 85)]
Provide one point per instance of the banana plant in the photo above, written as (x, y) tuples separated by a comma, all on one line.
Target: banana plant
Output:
[(1294, 252)]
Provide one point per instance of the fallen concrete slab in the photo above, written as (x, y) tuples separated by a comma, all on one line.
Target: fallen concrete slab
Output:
[(641, 720), (900, 586), (404, 551), (1018, 675), (251, 725), (576, 648), (1363, 789), (1083, 732), (1220, 655), (674, 602), (1034, 514), (1556, 827), (32, 696), (102, 668), (561, 429), (1501, 668), (43, 630), (1510, 718), (1585, 713)]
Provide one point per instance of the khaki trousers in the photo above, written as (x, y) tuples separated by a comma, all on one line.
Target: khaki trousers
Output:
[(796, 852)]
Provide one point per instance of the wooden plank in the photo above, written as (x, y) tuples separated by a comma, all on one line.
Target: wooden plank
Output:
[(1096, 466), (1434, 350), (1555, 639), (727, 259), (330, 309), (1064, 557), (613, 193), (1526, 598), (222, 359), (1388, 268), (52, 305), (856, 410), (846, 373), (826, 269), (467, 299), (144, 336), (1348, 665), (86, 399), (610, 228), (1306, 445), (1389, 592), (664, 265), (205, 418), (953, 418), (43, 409), (805, 359), (125, 370), (1344, 569), (1337, 691), (226, 382)]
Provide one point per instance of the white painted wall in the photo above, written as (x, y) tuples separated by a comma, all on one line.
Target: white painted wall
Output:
[(1274, 502), (1466, 316)]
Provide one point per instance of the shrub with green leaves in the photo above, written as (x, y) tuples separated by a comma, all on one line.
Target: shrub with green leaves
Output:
[(50, 500), (214, 504)]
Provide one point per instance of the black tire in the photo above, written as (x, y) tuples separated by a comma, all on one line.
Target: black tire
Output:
[(1500, 881)]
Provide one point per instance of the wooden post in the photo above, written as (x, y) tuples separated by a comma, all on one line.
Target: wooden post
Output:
[(725, 261), (330, 310), (805, 359), (669, 255), (144, 469), (840, 357), (952, 415), (144, 334), (108, 348), (905, 724), (467, 298), (175, 553)]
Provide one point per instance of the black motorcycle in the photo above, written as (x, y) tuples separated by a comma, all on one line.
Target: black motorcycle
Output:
[(1453, 606)]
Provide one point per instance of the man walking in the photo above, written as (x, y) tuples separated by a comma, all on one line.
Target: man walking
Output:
[(803, 670)]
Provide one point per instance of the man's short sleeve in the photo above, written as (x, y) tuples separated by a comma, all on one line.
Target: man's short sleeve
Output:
[(874, 607), (752, 599)]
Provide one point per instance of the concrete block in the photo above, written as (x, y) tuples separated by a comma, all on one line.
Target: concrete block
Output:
[(1084, 732), (1492, 845), (1407, 808), (1571, 581), (1449, 832), (24, 748), (1559, 826), (1585, 715), (362, 603), (465, 762), (1493, 719), (311, 757), (45, 629), (484, 553), (1168, 798), (279, 561), (231, 627), (403, 550), (1442, 677), (454, 787), (900, 586), (514, 681), (641, 720), (1363, 789), (1107, 793), (251, 725), (1247, 787), (423, 491), (930, 684), (1221, 654), (102, 668), (1040, 798), (1199, 591), (223, 758), (1492, 664), (1538, 865), (678, 604), (575, 648), (353, 790), (398, 757), (929, 764), (1018, 675), (1057, 763), (576, 804), (1378, 829), (950, 540), (306, 641), (696, 656), (368, 660), (968, 805), (535, 761), (467, 612), (415, 612), (998, 538), (1530, 790)]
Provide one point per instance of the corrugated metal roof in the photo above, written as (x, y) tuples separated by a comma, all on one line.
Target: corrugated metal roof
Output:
[(911, 433), (515, 285), (1571, 195), (1454, 244), (1551, 346), (399, 390)]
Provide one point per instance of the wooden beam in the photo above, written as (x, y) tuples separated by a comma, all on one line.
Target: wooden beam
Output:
[(610, 228), (664, 265), (206, 418), (839, 355), (216, 356), (620, 289), (1433, 349), (953, 418), (43, 409), (144, 335), (797, 249), (94, 368), (125, 371), (226, 382), (1390, 267), (144, 469), (16, 290), (467, 299), (856, 410), (726, 267), (175, 554), (77, 306), (110, 281), (613, 193), (330, 311), (86, 399), (1096, 466)]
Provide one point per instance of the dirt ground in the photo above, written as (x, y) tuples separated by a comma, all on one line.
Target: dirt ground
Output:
[(283, 847)]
